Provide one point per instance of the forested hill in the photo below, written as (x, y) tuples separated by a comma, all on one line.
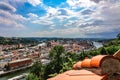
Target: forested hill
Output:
[(109, 48), (13, 41)]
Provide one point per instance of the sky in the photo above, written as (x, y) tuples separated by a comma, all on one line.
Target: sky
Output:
[(60, 18)]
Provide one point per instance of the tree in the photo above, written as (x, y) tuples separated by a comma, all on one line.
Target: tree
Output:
[(118, 36), (7, 67), (37, 69), (67, 65), (112, 49), (49, 69), (32, 76), (56, 52), (56, 55), (103, 51)]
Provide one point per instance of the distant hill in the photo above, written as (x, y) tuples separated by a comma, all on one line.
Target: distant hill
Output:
[(14, 40), (109, 48)]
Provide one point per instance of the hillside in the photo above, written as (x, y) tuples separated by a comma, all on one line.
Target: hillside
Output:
[(109, 48), (14, 41)]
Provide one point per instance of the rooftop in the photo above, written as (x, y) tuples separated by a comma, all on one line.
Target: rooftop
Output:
[(78, 75), (20, 60)]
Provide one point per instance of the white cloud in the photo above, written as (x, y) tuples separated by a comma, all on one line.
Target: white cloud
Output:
[(7, 7), (94, 31), (43, 22), (71, 18), (58, 33), (34, 2), (7, 24), (61, 14), (52, 11), (32, 15), (80, 3), (109, 13), (11, 16), (11, 21)]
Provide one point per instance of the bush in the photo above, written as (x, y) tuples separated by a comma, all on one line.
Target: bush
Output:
[(112, 49), (32, 76)]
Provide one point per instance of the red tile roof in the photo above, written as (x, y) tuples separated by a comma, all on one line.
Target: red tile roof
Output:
[(97, 60), (78, 75), (86, 63), (77, 65), (117, 54)]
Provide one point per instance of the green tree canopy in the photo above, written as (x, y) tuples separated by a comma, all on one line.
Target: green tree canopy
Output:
[(37, 69), (56, 52), (103, 51), (32, 76), (118, 36), (56, 55)]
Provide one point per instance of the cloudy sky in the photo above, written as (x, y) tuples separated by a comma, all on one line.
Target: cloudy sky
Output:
[(60, 18)]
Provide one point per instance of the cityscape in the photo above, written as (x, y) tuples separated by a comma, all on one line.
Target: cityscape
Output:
[(59, 39), (21, 55)]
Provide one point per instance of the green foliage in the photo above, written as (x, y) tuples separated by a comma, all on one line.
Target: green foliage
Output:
[(83, 55), (115, 42), (67, 65), (56, 52), (53, 75), (112, 46), (93, 52), (56, 55), (103, 51), (112, 49), (108, 49), (32, 76), (50, 68), (37, 69), (73, 56), (118, 36)]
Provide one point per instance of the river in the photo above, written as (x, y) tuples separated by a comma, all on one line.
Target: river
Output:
[(8, 76), (97, 44)]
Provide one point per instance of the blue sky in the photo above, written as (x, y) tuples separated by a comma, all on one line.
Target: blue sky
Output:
[(60, 18)]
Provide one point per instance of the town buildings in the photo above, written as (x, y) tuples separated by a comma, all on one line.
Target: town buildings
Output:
[(40, 52)]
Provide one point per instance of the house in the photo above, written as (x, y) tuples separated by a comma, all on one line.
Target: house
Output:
[(19, 63)]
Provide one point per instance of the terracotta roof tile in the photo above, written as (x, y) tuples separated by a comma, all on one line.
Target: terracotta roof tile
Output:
[(86, 63), (117, 54), (77, 75), (97, 60), (74, 66), (78, 64)]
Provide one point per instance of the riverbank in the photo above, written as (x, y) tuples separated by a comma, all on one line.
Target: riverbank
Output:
[(97, 44), (4, 73), (19, 77), (12, 75)]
